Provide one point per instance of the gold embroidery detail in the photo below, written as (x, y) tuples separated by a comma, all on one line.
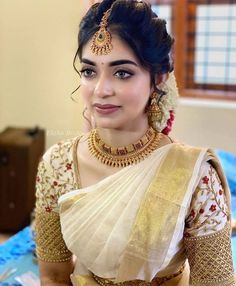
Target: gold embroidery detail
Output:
[(210, 259), (155, 282), (50, 245)]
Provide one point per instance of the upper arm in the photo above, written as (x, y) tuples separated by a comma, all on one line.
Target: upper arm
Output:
[(208, 210), (55, 260), (208, 233)]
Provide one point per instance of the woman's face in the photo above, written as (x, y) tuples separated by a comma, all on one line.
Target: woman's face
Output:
[(115, 87)]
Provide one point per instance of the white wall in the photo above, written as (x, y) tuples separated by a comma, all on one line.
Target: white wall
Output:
[(206, 123), (38, 42)]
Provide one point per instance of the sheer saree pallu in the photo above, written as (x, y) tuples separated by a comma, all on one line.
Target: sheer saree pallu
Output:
[(129, 226)]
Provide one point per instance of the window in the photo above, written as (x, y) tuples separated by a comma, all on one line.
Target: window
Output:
[(205, 48), (165, 12), (205, 45)]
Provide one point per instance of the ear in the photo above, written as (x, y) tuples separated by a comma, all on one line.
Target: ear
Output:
[(162, 78)]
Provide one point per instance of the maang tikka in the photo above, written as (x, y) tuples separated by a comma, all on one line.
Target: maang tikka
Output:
[(101, 44)]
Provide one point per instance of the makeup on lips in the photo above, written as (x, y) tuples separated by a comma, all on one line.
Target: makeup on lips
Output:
[(105, 108)]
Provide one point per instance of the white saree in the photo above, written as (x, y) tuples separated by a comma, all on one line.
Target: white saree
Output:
[(130, 225)]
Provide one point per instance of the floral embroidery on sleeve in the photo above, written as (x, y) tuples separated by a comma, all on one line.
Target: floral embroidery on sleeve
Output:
[(55, 177), (208, 211)]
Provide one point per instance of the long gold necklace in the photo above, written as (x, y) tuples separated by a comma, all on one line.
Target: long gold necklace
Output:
[(123, 156)]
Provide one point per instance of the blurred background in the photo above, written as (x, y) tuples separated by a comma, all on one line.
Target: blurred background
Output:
[(38, 40)]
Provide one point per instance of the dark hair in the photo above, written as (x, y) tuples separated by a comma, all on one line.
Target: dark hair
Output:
[(136, 24)]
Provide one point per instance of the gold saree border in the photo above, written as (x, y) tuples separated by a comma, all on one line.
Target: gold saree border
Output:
[(158, 215)]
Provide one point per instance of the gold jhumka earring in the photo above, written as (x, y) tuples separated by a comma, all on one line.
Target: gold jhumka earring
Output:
[(101, 44), (154, 112)]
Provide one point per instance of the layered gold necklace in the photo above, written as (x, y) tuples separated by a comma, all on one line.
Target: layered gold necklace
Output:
[(123, 156)]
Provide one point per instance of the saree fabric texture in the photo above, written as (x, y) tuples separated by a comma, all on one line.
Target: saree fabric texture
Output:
[(151, 223)]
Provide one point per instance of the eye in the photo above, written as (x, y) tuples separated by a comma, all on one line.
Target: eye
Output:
[(123, 74), (86, 72)]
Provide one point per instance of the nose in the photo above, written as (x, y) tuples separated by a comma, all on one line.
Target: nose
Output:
[(104, 86)]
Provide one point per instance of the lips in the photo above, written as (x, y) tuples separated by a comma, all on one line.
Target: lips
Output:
[(106, 108)]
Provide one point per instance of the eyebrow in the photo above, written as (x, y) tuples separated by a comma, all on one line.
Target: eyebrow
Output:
[(111, 64)]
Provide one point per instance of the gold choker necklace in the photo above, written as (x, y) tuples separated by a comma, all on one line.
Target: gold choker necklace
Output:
[(123, 156)]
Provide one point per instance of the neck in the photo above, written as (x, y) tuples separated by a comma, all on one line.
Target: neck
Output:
[(122, 137)]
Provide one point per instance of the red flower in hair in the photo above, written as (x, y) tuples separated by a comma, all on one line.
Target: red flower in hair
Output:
[(169, 123), (172, 115), (166, 130)]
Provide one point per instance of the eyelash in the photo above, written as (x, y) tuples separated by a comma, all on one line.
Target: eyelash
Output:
[(128, 74), (83, 71)]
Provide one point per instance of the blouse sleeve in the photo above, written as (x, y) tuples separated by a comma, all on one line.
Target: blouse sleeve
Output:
[(53, 179), (207, 235)]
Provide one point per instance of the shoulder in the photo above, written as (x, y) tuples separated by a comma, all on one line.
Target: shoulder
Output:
[(185, 151), (204, 157), (60, 152), (209, 210), (56, 174), (60, 161), (185, 146)]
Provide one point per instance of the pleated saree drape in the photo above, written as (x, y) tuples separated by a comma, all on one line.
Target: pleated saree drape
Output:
[(130, 225)]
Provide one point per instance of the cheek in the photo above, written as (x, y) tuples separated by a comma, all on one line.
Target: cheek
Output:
[(86, 93), (138, 95)]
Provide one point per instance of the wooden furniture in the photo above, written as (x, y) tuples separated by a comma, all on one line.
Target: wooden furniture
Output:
[(20, 152)]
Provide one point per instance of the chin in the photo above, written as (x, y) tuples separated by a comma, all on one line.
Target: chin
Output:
[(109, 124)]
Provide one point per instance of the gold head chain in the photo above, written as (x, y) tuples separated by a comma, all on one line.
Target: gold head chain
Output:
[(101, 41)]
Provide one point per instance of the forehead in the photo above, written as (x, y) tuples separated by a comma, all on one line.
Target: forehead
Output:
[(120, 49)]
